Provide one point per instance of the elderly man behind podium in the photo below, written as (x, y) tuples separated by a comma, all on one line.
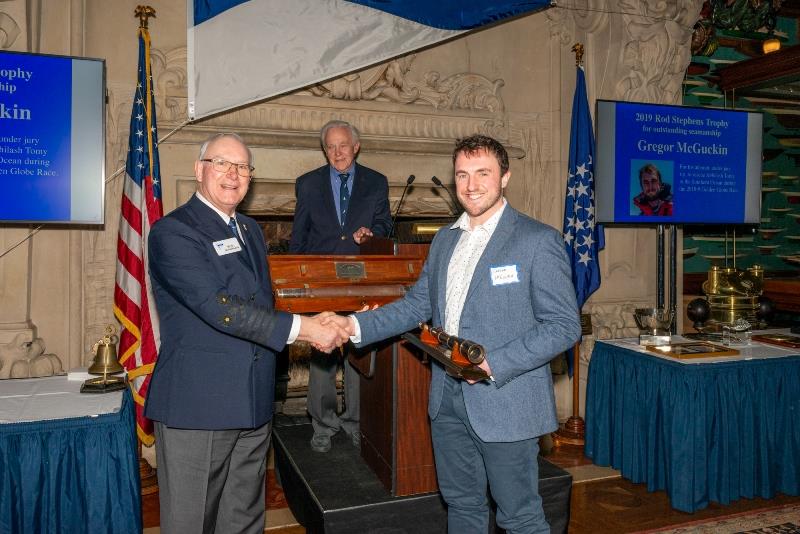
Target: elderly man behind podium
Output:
[(211, 394), (501, 279), (338, 206)]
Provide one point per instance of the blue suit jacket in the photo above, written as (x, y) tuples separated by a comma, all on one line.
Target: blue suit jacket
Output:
[(522, 325), (316, 228), (219, 331)]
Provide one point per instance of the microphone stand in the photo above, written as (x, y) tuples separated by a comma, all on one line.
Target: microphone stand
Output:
[(454, 205), (409, 181)]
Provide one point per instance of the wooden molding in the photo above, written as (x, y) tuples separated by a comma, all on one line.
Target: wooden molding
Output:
[(769, 69)]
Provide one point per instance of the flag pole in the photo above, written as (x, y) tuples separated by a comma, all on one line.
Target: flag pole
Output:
[(147, 475), (574, 430)]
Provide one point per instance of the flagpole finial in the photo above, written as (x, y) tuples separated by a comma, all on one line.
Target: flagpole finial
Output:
[(578, 49), (144, 13)]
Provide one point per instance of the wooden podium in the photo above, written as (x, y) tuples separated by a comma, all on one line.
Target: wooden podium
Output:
[(396, 436), (395, 427), (396, 431)]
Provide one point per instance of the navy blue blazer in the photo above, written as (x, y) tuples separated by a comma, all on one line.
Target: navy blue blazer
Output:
[(316, 228), (522, 324), (219, 330)]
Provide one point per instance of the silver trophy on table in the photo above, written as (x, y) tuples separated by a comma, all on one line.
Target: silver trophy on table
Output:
[(654, 325)]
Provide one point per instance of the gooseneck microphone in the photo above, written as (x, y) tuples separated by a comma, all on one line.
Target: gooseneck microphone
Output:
[(454, 206), (409, 181)]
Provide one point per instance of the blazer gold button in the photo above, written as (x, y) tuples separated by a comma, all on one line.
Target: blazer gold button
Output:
[(226, 319), (344, 237)]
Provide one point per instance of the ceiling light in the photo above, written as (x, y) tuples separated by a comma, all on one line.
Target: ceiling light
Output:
[(771, 45)]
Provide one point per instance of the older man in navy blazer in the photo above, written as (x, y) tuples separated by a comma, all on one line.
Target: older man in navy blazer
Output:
[(338, 205), (212, 389), (501, 279)]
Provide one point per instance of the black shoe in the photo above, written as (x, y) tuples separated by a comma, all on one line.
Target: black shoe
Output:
[(320, 443)]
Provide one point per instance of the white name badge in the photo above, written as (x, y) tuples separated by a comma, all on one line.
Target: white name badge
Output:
[(227, 246), (506, 274)]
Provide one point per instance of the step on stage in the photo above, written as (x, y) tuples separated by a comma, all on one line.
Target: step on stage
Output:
[(336, 492)]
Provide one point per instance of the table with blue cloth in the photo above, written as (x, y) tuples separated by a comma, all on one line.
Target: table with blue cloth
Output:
[(703, 430), (68, 462)]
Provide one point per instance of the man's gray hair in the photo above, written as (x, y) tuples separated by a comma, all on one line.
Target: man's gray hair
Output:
[(354, 133), (218, 136)]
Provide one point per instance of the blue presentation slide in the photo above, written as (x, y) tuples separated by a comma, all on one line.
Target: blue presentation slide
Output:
[(674, 164), (52, 139), (35, 110)]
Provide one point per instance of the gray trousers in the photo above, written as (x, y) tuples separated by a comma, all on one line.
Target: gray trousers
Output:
[(212, 481), (465, 464), (321, 400)]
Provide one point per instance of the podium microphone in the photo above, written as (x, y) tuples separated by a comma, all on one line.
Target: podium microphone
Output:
[(439, 183), (409, 181)]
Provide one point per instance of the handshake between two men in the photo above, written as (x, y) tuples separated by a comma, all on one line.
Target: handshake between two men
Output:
[(327, 330)]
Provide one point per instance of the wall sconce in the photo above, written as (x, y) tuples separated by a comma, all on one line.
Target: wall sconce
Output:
[(770, 45)]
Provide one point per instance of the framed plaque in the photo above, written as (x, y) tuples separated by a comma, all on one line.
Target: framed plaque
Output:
[(694, 349), (784, 340)]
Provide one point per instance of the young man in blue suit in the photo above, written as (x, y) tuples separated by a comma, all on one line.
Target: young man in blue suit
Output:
[(212, 389), (338, 205), (501, 279)]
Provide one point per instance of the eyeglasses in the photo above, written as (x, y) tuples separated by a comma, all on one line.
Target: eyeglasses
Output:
[(223, 166), (342, 148)]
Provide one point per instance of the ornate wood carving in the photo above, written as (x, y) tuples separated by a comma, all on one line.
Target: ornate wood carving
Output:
[(391, 81), (466, 103), (659, 50)]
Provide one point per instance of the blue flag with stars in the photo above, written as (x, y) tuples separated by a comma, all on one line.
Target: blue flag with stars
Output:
[(582, 236)]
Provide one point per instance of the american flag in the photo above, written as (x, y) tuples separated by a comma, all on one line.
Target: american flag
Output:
[(141, 207), (582, 236)]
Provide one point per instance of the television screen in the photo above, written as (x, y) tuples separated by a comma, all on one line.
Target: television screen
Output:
[(673, 164), (52, 139)]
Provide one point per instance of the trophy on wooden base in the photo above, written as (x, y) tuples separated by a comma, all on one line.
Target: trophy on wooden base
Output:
[(653, 325)]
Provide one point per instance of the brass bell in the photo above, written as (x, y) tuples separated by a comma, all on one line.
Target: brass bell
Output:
[(105, 363), (105, 357)]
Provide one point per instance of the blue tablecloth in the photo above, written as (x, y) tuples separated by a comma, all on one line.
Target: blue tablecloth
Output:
[(702, 432), (71, 475)]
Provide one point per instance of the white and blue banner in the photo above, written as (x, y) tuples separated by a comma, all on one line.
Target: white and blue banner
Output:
[(243, 51)]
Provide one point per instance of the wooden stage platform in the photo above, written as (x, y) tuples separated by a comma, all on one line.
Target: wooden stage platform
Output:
[(336, 492)]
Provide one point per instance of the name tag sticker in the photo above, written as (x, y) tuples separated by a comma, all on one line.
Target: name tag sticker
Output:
[(506, 274), (227, 246)]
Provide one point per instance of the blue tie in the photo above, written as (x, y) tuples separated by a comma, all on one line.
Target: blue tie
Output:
[(234, 229), (344, 196)]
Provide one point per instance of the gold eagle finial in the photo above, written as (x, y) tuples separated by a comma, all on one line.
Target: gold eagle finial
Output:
[(578, 49), (144, 13)]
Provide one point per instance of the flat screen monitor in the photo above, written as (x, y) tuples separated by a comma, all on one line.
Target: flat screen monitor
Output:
[(52, 139), (660, 164)]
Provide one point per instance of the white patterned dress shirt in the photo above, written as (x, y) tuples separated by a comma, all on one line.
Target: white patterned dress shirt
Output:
[(461, 269)]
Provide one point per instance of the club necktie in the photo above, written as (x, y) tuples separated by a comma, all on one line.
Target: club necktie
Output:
[(344, 196), (234, 229)]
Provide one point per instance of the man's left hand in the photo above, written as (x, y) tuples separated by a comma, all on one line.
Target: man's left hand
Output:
[(361, 234), (485, 366)]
